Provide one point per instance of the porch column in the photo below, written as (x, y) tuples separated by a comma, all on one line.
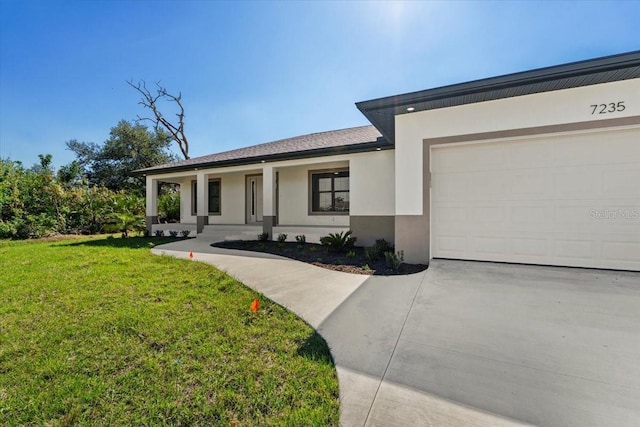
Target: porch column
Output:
[(202, 207), (268, 199), (152, 203)]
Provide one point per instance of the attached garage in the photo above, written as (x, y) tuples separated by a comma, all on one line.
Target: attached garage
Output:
[(538, 167), (564, 199)]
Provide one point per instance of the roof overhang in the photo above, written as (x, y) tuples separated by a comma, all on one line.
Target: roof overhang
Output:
[(381, 112), (378, 145)]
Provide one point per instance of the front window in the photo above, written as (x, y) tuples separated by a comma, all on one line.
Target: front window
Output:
[(330, 192), (214, 197)]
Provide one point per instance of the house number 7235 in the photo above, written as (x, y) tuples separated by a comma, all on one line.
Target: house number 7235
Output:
[(611, 107)]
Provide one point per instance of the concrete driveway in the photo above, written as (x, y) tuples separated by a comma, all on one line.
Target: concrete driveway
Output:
[(470, 343)]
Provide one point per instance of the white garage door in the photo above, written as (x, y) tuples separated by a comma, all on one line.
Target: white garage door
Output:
[(570, 200)]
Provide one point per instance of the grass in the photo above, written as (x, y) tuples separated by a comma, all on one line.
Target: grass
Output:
[(98, 331)]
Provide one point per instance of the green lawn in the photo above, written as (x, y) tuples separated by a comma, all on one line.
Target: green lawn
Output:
[(98, 331)]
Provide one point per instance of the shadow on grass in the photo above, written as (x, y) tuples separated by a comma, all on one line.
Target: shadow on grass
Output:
[(120, 242), (316, 348)]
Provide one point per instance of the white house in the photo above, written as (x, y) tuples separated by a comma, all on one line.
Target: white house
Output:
[(538, 167)]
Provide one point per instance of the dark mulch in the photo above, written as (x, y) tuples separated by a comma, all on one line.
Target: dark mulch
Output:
[(320, 256)]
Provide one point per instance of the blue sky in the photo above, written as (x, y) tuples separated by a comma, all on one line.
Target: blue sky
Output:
[(253, 72)]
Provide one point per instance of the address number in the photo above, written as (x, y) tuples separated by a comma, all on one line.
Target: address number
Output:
[(611, 107)]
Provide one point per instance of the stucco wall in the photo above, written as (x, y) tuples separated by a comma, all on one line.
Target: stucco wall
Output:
[(232, 191), (293, 189), (542, 109), (372, 183)]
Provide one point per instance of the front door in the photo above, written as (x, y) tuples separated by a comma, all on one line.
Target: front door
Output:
[(254, 199)]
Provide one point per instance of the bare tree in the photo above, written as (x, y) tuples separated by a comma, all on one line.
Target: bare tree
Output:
[(150, 101)]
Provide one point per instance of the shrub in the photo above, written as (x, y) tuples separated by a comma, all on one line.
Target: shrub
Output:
[(366, 267), (185, 233), (378, 249), (263, 237), (301, 238), (383, 246), (394, 260), (173, 233), (169, 206), (351, 254), (158, 233), (282, 237), (338, 242), (125, 222), (313, 248), (371, 253)]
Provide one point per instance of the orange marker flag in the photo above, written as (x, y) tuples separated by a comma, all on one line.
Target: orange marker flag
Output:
[(190, 255), (255, 305)]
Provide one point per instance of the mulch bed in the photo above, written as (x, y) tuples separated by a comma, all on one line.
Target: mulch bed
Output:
[(320, 256)]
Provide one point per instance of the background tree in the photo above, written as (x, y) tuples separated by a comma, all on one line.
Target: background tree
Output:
[(150, 101), (129, 147)]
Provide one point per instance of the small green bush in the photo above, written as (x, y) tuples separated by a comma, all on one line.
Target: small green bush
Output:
[(185, 233), (339, 242), (351, 254), (159, 233), (378, 249), (263, 237), (169, 206), (371, 253), (301, 238), (282, 237), (394, 260), (173, 233)]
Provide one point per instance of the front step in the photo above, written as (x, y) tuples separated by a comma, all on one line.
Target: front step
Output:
[(220, 232)]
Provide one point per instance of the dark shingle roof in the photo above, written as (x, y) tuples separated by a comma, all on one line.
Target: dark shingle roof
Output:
[(381, 112), (363, 138)]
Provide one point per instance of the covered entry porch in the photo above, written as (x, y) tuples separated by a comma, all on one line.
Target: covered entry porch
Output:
[(239, 203)]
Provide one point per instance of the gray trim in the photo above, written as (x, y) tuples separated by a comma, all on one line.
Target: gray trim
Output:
[(247, 214), (149, 221), (201, 222), (412, 236), (369, 228), (268, 222), (413, 232), (310, 174), (538, 130), (381, 112)]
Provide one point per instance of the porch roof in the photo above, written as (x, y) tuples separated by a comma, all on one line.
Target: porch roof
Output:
[(351, 140)]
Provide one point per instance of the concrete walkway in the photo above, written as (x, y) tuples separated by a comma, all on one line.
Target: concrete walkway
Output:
[(463, 343)]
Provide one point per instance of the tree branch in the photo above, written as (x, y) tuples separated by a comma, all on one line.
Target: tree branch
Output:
[(150, 101)]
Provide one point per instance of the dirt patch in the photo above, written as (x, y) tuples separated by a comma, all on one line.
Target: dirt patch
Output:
[(354, 262)]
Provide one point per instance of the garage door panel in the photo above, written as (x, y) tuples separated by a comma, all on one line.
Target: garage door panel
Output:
[(529, 247), (577, 182), (527, 184), (576, 150), (622, 183), (452, 187), (577, 209), (621, 251), (489, 245), (574, 249), (529, 155)]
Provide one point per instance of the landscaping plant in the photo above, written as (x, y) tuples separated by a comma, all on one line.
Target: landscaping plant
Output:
[(339, 242)]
